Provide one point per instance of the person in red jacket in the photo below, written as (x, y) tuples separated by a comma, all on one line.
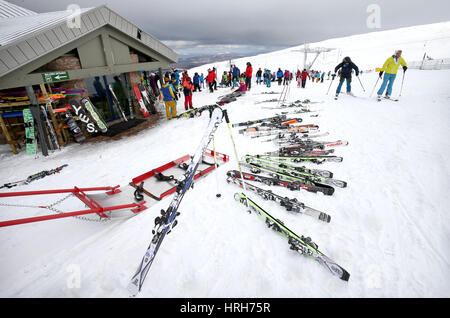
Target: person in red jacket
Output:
[(248, 76), (210, 79), (304, 75)]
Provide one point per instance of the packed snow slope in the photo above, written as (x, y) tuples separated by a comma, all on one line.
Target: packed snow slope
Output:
[(389, 228)]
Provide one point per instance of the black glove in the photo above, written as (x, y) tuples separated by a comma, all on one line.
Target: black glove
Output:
[(381, 73), (357, 73), (405, 68)]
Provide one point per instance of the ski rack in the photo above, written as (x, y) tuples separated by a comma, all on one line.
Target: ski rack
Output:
[(137, 182), (94, 207)]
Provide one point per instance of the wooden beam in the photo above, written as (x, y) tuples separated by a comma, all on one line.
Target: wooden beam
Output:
[(7, 135), (36, 78)]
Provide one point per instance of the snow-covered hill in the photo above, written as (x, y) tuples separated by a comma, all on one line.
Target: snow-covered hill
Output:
[(390, 227), (368, 50)]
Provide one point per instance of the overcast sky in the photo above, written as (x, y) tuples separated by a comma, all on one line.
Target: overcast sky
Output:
[(252, 26)]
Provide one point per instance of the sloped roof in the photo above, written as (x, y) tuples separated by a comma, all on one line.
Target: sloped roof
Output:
[(27, 36), (9, 10), (22, 27)]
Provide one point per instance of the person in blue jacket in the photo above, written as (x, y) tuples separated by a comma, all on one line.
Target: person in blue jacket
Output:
[(196, 80), (346, 68), (236, 74), (202, 80), (280, 75), (176, 75), (268, 78)]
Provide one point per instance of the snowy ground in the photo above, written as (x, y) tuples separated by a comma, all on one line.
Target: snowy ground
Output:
[(390, 227)]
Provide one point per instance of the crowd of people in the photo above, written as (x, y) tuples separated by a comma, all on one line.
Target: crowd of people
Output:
[(174, 83)]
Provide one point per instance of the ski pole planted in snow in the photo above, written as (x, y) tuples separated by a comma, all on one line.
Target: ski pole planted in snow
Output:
[(375, 86), (361, 83), (330, 86), (401, 88)]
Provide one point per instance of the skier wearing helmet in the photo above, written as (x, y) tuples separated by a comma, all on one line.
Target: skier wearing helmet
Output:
[(346, 74), (390, 69)]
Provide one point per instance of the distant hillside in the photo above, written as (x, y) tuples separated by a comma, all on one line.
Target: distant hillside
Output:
[(188, 62)]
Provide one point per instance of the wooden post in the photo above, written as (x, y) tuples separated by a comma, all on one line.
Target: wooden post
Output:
[(7, 135), (52, 116)]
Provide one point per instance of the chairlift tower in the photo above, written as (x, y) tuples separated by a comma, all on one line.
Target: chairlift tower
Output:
[(317, 50)]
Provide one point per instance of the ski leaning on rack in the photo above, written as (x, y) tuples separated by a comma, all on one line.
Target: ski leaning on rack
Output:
[(51, 131), (116, 103), (301, 244), (289, 204), (167, 220)]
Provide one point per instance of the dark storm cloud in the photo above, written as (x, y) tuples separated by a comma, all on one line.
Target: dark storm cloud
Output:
[(256, 25)]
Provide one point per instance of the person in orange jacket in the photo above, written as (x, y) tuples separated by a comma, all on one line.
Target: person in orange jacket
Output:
[(188, 88), (248, 75)]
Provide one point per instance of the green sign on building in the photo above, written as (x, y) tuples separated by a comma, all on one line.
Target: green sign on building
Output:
[(55, 77)]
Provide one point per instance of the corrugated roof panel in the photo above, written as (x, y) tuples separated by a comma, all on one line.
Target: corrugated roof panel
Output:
[(94, 19), (27, 50), (6, 58), (37, 47), (83, 25), (44, 42), (88, 22), (51, 36), (9, 10), (12, 29), (60, 34), (17, 54), (67, 31), (3, 67)]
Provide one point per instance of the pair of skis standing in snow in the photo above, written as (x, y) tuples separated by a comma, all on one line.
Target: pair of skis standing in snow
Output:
[(389, 69)]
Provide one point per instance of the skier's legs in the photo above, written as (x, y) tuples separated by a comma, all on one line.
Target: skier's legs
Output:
[(384, 84), (349, 86), (391, 83), (341, 81), (169, 108)]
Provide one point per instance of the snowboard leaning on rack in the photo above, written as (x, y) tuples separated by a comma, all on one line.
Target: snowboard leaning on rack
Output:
[(31, 143), (95, 115)]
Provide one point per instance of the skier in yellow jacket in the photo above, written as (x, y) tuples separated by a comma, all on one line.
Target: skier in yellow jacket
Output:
[(169, 99), (390, 69)]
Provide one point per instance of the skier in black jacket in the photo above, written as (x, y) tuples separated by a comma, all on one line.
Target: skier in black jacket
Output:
[(346, 74)]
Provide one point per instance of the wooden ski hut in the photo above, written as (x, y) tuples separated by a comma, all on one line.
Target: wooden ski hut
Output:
[(49, 59)]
